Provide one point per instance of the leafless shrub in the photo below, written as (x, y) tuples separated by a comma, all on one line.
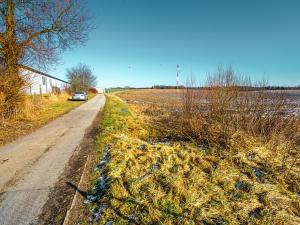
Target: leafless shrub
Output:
[(12, 96), (189, 96), (230, 111)]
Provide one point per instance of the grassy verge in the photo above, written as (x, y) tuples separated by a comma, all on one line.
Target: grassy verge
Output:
[(140, 180), (38, 112), (113, 90)]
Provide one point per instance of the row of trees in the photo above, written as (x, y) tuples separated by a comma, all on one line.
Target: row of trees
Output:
[(32, 34)]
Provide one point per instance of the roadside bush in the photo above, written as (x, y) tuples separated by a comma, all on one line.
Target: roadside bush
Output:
[(230, 114), (11, 96), (15, 104), (67, 90), (93, 90)]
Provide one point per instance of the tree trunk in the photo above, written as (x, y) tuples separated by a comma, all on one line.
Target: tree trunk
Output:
[(11, 49), (13, 83)]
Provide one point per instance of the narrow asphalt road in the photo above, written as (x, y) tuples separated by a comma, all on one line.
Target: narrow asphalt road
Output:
[(30, 166)]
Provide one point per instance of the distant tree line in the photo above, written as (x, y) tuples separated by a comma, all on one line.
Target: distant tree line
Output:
[(167, 87), (280, 88), (246, 88), (253, 88)]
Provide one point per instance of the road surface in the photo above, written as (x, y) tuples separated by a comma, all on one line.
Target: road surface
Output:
[(30, 166)]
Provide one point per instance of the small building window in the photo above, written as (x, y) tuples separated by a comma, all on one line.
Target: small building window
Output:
[(50, 81), (44, 80)]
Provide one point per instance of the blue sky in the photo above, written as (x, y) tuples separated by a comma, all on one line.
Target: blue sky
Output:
[(140, 42)]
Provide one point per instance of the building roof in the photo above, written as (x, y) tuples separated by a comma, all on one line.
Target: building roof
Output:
[(42, 73)]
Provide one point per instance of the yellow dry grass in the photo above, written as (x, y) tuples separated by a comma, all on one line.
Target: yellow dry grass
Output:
[(37, 110), (164, 181)]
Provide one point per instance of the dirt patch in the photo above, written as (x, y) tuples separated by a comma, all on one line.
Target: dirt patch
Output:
[(61, 196)]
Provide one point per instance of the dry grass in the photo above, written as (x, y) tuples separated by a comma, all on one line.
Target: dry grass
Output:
[(35, 112), (11, 95), (158, 176)]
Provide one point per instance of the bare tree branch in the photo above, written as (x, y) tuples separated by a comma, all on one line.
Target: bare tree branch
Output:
[(42, 30), (81, 77), (55, 27)]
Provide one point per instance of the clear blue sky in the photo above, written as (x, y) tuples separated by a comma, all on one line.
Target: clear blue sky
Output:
[(140, 42)]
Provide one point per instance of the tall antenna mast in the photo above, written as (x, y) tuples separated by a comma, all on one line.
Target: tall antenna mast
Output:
[(177, 76)]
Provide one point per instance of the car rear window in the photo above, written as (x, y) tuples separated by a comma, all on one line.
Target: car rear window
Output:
[(79, 92)]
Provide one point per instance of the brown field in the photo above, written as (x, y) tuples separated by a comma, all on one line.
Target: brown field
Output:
[(152, 96), (173, 96)]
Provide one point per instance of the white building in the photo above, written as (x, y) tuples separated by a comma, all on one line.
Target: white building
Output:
[(100, 90), (42, 83)]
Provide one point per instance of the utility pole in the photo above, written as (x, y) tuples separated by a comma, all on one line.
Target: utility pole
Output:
[(177, 76)]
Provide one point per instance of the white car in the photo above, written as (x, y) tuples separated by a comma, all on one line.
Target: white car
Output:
[(80, 95)]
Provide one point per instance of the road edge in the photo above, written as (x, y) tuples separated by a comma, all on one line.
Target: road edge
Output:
[(61, 196)]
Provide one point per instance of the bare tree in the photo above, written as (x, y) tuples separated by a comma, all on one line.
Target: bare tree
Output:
[(34, 32), (81, 77)]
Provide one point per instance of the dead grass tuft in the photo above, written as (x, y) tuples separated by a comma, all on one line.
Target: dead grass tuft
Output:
[(11, 95), (36, 110)]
